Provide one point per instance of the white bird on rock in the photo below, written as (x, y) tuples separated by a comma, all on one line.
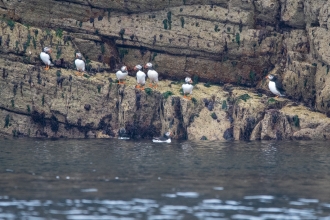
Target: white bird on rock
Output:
[(275, 86), (152, 75), (80, 64), (122, 74), (45, 57), (187, 88), (140, 77)]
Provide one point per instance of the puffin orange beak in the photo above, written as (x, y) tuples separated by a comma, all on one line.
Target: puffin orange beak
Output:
[(191, 81), (266, 77)]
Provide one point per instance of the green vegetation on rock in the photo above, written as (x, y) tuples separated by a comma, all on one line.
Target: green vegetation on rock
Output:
[(244, 97), (148, 91), (296, 121), (167, 94)]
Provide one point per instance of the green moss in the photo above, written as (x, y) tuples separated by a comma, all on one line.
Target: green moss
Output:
[(271, 100), (296, 121), (27, 43), (208, 84), (10, 23), (36, 33), (7, 121), (58, 53), (238, 41), (244, 97), (153, 56), (80, 23), (214, 116), (99, 88), (224, 105), (194, 100), (216, 28), (58, 73), (314, 64), (86, 76), (148, 91), (12, 103), (228, 29), (182, 22), (34, 43), (59, 33), (28, 109), (165, 24), (167, 94), (122, 53), (169, 19)]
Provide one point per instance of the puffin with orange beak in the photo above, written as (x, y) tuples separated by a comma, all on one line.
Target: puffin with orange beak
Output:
[(121, 75), (152, 75), (80, 64), (140, 77), (275, 86), (45, 57), (187, 88)]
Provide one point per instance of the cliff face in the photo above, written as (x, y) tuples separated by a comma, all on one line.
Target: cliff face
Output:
[(218, 41)]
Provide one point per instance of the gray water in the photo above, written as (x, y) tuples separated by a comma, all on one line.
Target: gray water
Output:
[(112, 179)]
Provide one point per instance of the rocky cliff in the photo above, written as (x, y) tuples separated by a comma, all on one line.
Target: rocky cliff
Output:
[(228, 44)]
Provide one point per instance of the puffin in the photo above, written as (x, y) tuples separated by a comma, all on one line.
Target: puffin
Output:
[(187, 88), (140, 77), (80, 64), (152, 75), (121, 74), (45, 57), (122, 134), (275, 86), (166, 138)]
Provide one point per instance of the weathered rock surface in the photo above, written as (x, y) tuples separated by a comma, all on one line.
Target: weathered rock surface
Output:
[(218, 41)]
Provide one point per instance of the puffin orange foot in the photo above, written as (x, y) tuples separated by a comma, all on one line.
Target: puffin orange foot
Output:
[(150, 84), (47, 67), (121, 83), (138, 86)]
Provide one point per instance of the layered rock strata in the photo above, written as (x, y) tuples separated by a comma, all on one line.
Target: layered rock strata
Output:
[(218, 41)]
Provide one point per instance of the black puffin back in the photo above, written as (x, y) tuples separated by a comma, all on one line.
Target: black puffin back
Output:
[(278, 84)]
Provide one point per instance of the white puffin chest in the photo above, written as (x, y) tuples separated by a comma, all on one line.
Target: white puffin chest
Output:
[(80, 64), (153, 75), (272, 88), (187, 88), (45, 58), (140, 77), (121, 75)]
